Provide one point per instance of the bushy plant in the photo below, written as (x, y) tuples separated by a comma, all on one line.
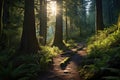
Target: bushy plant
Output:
[(44, 57), (13, 69), (21, 66), (14, 66), (103, 52), (70, 43)]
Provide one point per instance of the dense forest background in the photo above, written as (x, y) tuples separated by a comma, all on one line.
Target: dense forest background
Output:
[(33, 32)]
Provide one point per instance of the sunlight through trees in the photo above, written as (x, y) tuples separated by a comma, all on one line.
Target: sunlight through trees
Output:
[(46, 39)]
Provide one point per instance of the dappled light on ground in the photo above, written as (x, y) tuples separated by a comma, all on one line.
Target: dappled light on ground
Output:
[(65, 66)]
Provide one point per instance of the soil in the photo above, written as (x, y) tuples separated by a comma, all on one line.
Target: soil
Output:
[(70, 70)]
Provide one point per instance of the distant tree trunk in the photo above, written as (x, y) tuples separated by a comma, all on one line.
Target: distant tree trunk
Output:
[(118, 9), (6, 13), (71, 27), (83, 19), (58, 40), (1, 14), (43, 22), (66, 27), (99, 15), (110, 11), (29, 42), (118, 21)]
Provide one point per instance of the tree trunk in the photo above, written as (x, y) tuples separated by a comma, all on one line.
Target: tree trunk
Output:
[(71, 27), (119, 21), (1, 14), (118, 9), (66, 27), (99, 15), (43, 22), (29, 42), (58, 39), (83, 19), (6, 14)]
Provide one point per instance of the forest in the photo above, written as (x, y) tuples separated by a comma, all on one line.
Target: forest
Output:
[(59, 39)]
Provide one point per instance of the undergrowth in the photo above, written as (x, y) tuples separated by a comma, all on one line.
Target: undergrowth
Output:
[(103, 56), (14, 66), (70, 44)]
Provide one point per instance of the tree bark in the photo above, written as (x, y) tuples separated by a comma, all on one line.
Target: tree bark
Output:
[(118, 9), (99, 15), (83, 19), (58, 39), (1, 14), (66, 27), (29, 42), (43, 22), (118, 24), (6, 13)]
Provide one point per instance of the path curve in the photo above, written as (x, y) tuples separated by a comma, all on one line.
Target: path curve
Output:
[(70, 72)]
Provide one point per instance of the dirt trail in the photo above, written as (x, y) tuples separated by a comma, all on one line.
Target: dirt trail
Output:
[(70, 71)]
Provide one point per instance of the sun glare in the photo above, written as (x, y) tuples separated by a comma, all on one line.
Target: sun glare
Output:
[(53, 7)]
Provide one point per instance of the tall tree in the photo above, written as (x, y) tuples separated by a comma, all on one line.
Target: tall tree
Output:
[(6, 13), (66, 25), (110, 13), (99, 15), (83, 17), (58, 39), (29, 42), (43, 22), (118, 10), (1, 11)]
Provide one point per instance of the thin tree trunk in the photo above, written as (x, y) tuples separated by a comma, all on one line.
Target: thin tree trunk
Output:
[(118, 8), (6, 14), (99, 15), (43, 22), (1, 14), (29, 42), (71, 26), (118, 21), (66, 27)]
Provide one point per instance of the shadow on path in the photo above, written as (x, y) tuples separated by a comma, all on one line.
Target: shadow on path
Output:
[(65, 66)]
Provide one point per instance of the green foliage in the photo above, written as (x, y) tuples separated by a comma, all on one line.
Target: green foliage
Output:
[(104, 39), (70, 43), (13, 69), (10, 72), (87, 71), (14, 66), (50, 51), (46, 55), (75, 33), (103, 52), (12, 23), (10, 38)]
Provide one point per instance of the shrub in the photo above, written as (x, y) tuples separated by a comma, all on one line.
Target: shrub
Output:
[(103, 52)]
